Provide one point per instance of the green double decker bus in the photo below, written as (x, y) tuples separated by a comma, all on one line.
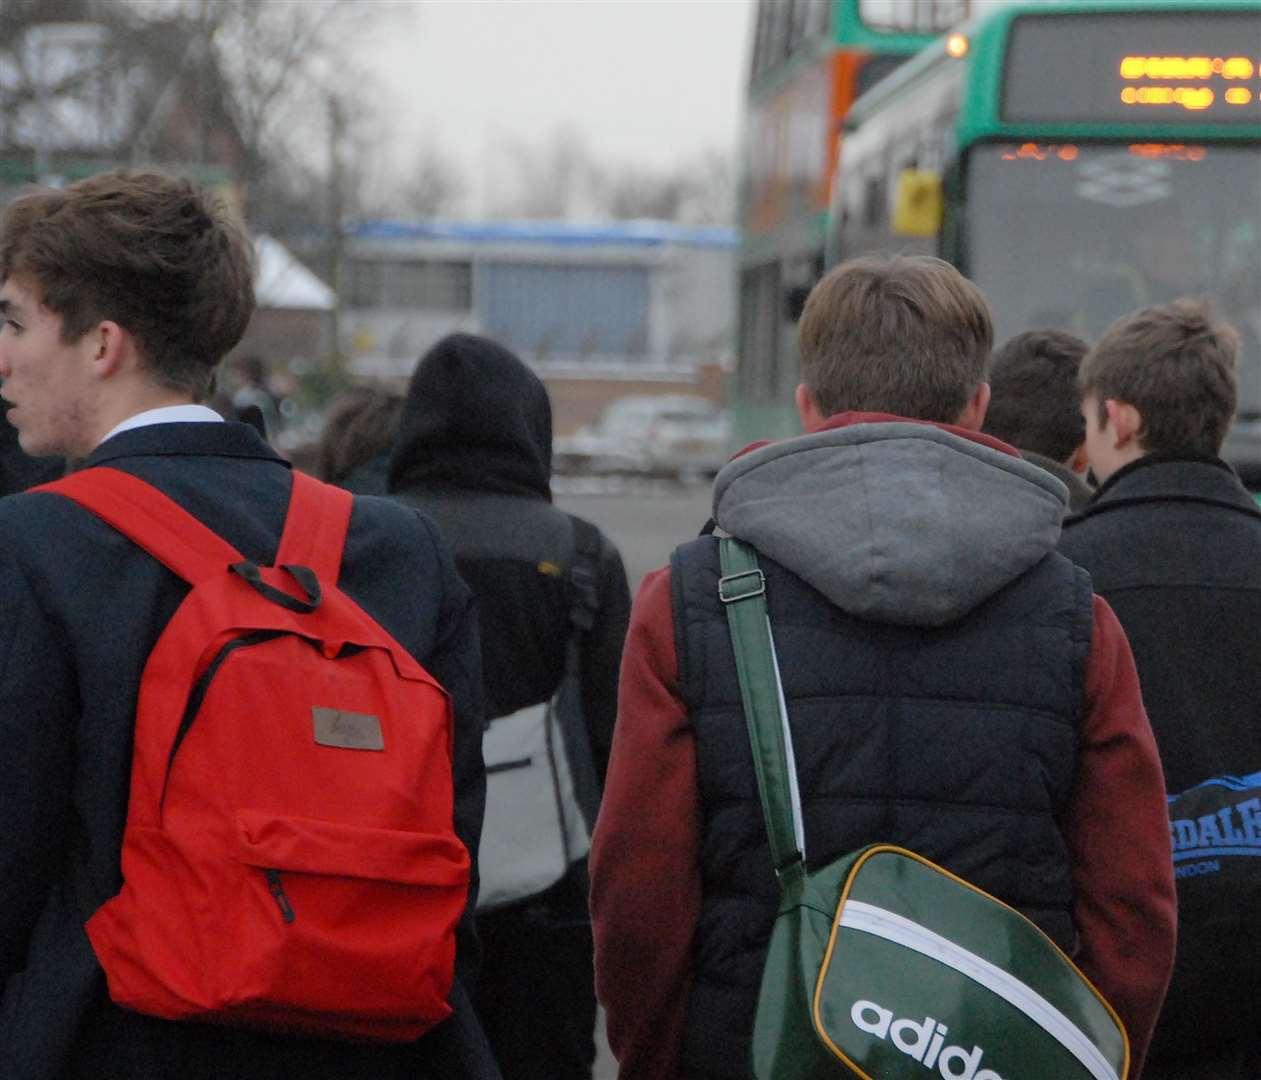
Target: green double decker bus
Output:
[(1077, 161), (811, 60)]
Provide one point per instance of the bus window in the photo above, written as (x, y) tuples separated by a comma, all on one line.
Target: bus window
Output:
[(809, 21), (795, 9), (762, 40), (875, 69), (799, 276), (875, 203), (818, 16), (913, 16), (778, 29), (1075, 239)]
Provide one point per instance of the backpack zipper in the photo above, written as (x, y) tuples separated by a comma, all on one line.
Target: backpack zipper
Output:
[(198, 694), (277, 890)]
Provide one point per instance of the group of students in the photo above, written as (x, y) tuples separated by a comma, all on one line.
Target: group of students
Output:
[(1172, 541), (955, 681), (982, 659)]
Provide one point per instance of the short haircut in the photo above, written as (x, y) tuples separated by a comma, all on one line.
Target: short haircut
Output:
[(903, 334), (1175, 363), (359, 424), (1034, 403), (150, 252), (252, 368)]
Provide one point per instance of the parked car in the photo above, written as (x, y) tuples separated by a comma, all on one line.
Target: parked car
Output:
[(668, 434)]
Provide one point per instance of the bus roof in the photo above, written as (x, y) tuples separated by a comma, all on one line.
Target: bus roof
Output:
[(986, 41)]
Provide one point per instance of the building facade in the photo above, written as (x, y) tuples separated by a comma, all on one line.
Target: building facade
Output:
[(600, 312)]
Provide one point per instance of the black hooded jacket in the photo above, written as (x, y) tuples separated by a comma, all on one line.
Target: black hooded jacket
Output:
[(474, 451)]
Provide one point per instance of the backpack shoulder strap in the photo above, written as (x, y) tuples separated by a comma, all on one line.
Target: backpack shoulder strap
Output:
[(583, 579), (149, 519), (315, 527), (584, 575)]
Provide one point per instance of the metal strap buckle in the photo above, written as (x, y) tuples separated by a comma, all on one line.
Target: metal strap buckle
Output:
[(796, 862), (755, 586)]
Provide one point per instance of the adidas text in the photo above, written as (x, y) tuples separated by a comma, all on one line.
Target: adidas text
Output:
[(925, 1041)]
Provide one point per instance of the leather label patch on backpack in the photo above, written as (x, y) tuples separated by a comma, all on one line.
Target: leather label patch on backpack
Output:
[(347, 730)]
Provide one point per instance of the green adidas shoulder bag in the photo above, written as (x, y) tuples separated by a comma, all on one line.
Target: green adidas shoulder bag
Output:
[(883, 965)]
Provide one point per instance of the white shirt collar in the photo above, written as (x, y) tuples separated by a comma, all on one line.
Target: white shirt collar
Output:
[(167, 414)]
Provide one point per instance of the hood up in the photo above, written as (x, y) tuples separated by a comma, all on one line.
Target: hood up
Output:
[(476, 418), (897, 522)]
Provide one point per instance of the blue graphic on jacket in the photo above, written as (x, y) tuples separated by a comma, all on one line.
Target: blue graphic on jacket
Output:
[(1212, 820)]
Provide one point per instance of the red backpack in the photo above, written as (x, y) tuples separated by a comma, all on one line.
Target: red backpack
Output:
[(289, 858)]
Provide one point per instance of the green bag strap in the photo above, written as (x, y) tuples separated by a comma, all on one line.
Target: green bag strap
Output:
[(742, 590)]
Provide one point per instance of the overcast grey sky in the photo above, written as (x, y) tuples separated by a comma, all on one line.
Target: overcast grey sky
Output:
[(649, 82)]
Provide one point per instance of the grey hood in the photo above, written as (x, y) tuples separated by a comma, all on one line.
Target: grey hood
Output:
[(893, 521)]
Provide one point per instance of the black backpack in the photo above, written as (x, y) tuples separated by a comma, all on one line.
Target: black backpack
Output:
[(542, 789)]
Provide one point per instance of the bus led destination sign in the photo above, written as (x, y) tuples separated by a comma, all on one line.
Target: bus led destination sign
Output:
[(1193, 83), (1135, 67)]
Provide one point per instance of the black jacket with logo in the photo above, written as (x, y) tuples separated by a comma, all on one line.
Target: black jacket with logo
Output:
[(1173, 543)]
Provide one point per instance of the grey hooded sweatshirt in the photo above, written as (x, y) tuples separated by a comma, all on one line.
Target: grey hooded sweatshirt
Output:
[(896, 522)]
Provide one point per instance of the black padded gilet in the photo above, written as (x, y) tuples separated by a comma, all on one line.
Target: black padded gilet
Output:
[(958, 742)]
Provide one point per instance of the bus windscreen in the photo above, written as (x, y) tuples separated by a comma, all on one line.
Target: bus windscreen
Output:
[(1074, 236), (1134, 68)]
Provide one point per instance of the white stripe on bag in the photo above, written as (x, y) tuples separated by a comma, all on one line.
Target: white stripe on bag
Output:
[(799, 830), (902, 931)]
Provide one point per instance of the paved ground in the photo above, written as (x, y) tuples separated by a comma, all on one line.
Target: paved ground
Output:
[(646, 522)]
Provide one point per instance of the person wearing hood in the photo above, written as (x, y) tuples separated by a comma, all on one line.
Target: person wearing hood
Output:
[(952, 686), (474, 452)]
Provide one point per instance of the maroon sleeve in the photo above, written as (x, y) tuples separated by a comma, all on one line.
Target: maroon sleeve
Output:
[(645, 872), (1117, 828)]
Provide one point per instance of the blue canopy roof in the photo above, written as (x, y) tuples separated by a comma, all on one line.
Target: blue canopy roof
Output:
[(619, 234)]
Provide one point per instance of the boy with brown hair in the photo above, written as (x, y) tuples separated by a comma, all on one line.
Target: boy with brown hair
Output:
[(119, 296), (1034, 405), (951, 684), (1173, 542), (909, 336), (1161, 380)]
